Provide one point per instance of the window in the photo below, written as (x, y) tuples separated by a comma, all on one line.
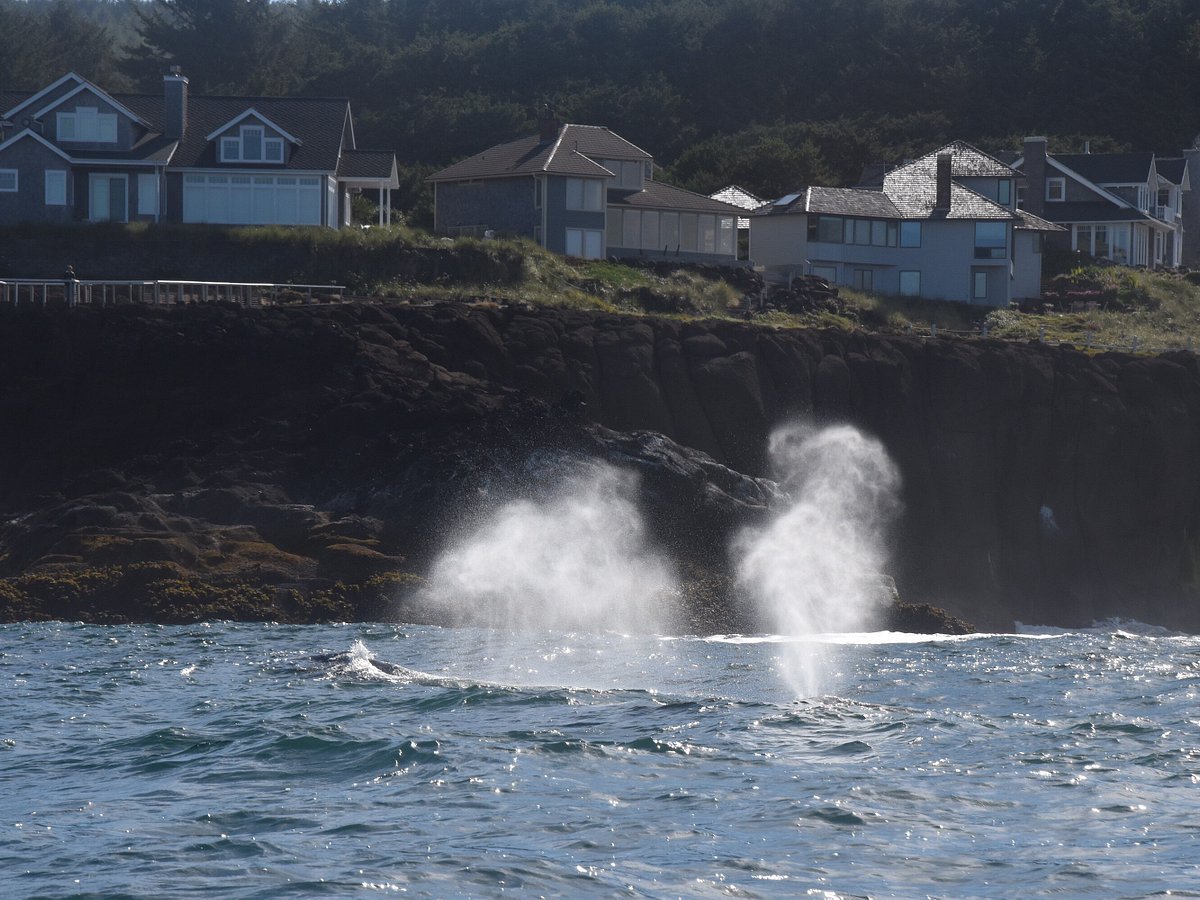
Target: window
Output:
[(1020, 196), (669, 231), (56, 187), (87, 125), (864, 279), (537, 193), (1083, 238), (1056, 189), (862, 231), (708, 234), (631, 228), (587, 243), (910, 234), (879, 234), (251, 145), (585, 194), (1100, 238), (979, 282), (8, 181), (650, 230), (626, 174), (825, 229), (991, 240), (147, 187), (1004, 192), (828, 274), (910, 284), (725, 236)]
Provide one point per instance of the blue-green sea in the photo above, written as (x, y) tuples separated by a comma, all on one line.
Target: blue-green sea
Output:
[(233, 760)]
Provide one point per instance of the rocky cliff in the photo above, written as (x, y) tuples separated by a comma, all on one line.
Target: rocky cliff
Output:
[(302, 450)]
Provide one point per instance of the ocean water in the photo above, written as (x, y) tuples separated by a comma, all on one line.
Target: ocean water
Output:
[(266, 761)]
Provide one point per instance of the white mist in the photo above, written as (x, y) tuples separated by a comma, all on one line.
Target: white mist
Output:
[(577, 558), (817, 566)]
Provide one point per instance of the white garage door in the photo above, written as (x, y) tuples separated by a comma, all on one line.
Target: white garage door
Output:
[(252, 199)]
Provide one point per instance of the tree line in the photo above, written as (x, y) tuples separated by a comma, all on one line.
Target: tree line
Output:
[(769, 94)]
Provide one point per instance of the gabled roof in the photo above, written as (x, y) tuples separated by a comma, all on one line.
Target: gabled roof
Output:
[(33, 135), (573, 151), (1109, 168), (915, 194), (101, 94), (657, 195), (966, 162), (25, 98), (738, 196), (1096, 211), (247, 114), (369, 166)]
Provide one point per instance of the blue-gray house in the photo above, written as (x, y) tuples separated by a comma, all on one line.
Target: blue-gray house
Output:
[(73, 152), (581, 190)]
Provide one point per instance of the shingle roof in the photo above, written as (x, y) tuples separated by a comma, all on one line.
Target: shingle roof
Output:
[(368, 164), (1108, 168), (318, 123), (966, 162), (1094, 211), (851, 202), (567, 154), (657, 195), (915, 194), (738, 196), (1027, 221)]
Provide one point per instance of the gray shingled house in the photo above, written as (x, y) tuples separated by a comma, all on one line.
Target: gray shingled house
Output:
[(72, 152), (944, 226), (1123, 207), (581, 190)]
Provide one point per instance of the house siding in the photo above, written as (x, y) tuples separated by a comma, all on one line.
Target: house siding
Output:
[(945, 259), (1027, 266), (127, 130), (559, 218), (28, 204), (502, 204)]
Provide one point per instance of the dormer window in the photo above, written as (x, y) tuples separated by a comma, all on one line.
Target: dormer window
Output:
[(1056, 190), (251, 145), (87, 125)]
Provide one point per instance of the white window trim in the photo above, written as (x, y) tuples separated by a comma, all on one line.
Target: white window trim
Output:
[(60, 177), (16, 176), (225, 140), (101, 119), (1062, 189)]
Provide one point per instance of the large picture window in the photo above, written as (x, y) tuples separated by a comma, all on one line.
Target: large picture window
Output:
[(991, 240), (87, 125), (587, 243), (910, 234), (585, 194)]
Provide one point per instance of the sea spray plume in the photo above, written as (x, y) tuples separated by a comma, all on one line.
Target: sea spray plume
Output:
[(815, 567), (575, 558)]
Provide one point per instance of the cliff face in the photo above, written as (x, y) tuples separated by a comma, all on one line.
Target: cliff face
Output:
[(1039, 484)]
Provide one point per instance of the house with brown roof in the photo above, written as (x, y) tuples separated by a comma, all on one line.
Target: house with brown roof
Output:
[(73, 152), (1123, 207), (581, 190), (944, 226)]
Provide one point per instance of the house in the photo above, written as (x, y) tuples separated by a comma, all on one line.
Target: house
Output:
[(743, 199), (581, 190), (1123, 207), (944, 226), (72, 152)]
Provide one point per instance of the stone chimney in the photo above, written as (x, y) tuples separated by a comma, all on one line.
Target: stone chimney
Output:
[(1035, 175), (548, 124), (175, 97), (945, 165)]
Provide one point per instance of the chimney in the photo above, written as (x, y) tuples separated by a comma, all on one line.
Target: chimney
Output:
[(945, 163), (175, 97), (1035, 175), (548, 124)]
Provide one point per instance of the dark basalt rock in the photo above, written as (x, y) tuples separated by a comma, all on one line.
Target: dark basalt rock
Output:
[(1039, 484)]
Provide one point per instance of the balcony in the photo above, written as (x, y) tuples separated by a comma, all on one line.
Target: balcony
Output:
[(1165, 213)]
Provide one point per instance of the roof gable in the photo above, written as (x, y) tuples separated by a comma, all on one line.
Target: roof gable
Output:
[(1109, 168), (30, 133), (88, 87), (44, 92), (256, 114), (966, 162)]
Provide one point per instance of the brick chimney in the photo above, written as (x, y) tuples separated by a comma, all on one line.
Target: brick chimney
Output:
[(945, 163), (1035, 175), (175, 97), (548, 124)]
